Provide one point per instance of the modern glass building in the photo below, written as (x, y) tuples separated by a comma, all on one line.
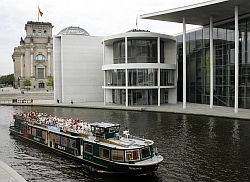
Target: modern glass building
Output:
[(214, 61), (198, 64), (139, 68)]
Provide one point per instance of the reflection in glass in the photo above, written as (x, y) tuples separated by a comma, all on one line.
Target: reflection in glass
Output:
[(143, 97), (198, 65), (142, 77)]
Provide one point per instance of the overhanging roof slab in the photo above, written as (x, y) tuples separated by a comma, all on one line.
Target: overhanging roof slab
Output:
[(199, 14)]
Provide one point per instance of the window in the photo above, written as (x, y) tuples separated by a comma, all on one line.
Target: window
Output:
[(72, 143), (88, 148), (104, 153), (145, 152), (64, 141), (45, 31), (39, 133), (118, 155), (34, 131), (40, 73), (40, 58), (132, 155), (44, 133), (56, 138), (39, 32)]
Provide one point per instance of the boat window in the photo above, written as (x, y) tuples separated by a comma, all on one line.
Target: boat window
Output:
[(39, 133), (117, 155), (132, 155), (56, 138), (88, 148), (104, 153), (34, 131), (64, 141), (72, 143), (29, 130), (44, 133), (145, 152)]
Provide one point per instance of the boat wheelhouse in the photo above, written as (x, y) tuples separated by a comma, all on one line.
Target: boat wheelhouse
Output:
[(99, 143)]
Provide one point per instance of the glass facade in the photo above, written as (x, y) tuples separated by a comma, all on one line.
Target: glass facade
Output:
[(142, 77), (115, 77), (119, 52), (167, 77), (198, 65), (139, 51), (143, 97)]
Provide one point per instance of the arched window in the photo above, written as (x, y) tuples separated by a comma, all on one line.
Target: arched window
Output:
[(40, 58)]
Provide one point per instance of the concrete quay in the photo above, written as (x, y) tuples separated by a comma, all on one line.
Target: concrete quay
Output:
[(7, 174), (194, 109)]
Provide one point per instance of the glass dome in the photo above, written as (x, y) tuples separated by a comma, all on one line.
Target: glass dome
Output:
[(73, 31)]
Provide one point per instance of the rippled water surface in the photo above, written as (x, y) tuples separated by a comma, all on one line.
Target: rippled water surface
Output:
[(195, 148)]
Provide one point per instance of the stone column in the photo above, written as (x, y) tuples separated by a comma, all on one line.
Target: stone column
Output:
[(31, 62), (21, 65)]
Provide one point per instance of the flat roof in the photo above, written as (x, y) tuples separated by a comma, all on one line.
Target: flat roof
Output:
[(200, 13)]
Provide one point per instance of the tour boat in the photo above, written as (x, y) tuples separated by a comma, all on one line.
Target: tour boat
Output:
[(99, 143)]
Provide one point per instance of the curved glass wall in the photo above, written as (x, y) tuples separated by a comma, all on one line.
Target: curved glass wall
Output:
[(142, 77), (139, 51), (167, 77), (142, 51), (143, 97), (115, 78), (119, 52)]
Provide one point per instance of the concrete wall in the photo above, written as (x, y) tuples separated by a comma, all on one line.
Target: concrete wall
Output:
[(81, 75), (57, 69), (172, 96)]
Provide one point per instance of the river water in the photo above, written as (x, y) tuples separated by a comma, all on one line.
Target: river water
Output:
[(195, 148)]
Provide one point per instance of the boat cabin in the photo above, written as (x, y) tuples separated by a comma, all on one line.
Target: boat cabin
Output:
[(104, 130)]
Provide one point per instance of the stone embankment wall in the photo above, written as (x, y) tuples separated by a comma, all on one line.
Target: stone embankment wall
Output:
[(8, 97)]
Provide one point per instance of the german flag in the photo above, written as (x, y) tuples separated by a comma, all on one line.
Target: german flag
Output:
[(40, 12)]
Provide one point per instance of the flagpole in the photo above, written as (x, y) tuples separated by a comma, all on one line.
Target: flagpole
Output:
[(38, 13)]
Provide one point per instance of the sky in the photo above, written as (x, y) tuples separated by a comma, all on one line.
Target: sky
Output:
[(98, 17)]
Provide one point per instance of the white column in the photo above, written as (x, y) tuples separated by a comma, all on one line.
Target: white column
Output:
[(49, 62), (104, 90), (31, 63), (104, 76), (126, 75), (103, 53), (126, 71), (236, 58), (159, 85), (159, 73), (211, 62), (184, 63), (21, 65), (159, 49), (126, 50)]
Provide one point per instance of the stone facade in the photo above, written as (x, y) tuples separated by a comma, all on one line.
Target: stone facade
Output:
[(33, 58)]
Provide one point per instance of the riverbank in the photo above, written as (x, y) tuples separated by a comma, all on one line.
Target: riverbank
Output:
[(9, 174), (194, 109)]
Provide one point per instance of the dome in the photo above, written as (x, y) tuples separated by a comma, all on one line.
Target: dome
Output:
[(73, 31)]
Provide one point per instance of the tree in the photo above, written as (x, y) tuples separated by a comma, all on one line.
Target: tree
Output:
[(7, 79), (27, 84), (50, 82)]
